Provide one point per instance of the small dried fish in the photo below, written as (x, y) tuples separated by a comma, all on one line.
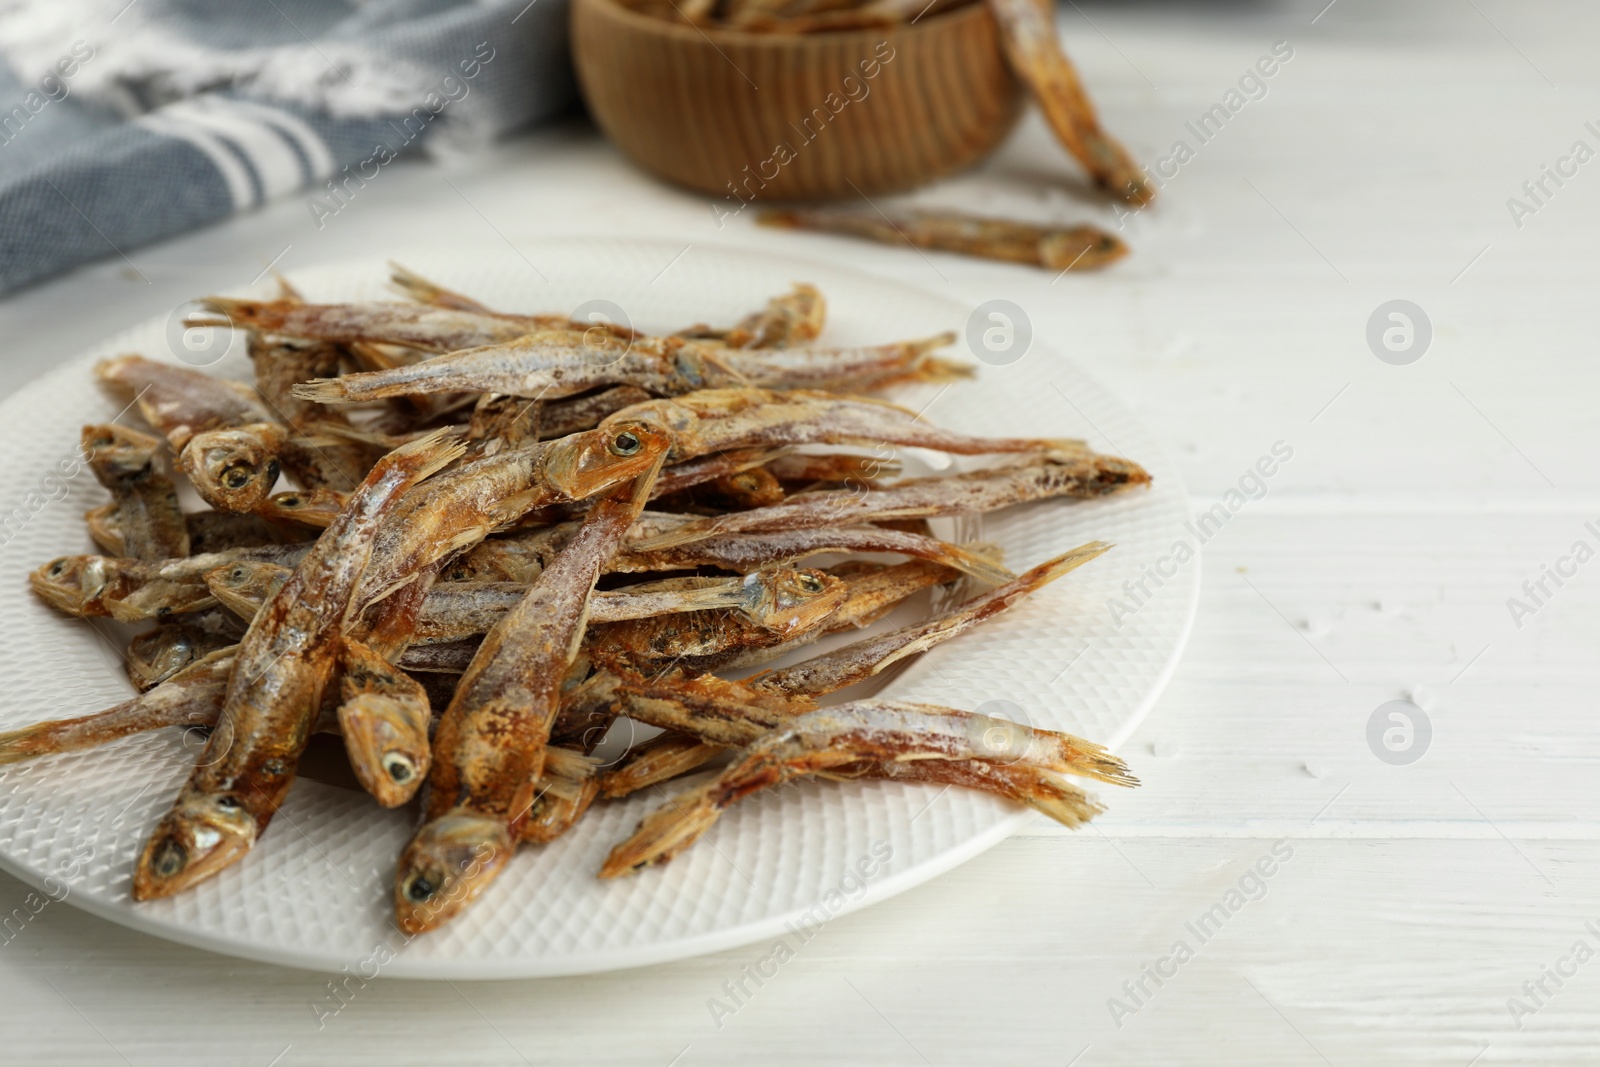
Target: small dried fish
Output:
[(560, 363), (149, 522), (226, 439), (521, 557), (491, 741), (129, 590), (1028, 34), (382, 709), (275, 689), (1057, 248), (712, 420), (189, 698), (878, 737), (1074, 475), (432, 329)]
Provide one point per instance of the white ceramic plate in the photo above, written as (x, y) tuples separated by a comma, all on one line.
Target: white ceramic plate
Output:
[(316, 890)]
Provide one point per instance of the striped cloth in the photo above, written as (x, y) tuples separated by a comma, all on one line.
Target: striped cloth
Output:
[(125, 122)]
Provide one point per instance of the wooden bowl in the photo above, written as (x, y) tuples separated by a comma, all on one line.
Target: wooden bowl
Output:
[(747, 116)]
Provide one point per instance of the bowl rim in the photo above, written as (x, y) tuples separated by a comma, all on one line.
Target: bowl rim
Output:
[(974, 9)]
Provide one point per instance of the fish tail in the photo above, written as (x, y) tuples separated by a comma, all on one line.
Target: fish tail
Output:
[(27, 743), (325, 391), (1051, 569), (429, 453), (1060, 800), (975, 563), (664, 833)]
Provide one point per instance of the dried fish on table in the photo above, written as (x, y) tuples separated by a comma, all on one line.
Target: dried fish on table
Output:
[(226, 439), (275, 689), (1057, 248), (793, 318), (150, 524), (877, 738), (1028, 34)]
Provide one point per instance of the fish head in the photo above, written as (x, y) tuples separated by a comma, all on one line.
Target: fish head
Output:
[(234, 469), (122, 454), (312, 507), (447, 864), (582, 464), (793, 599), (386, 739), (202, 834), (156, 656), (74, 584), (244, 585)]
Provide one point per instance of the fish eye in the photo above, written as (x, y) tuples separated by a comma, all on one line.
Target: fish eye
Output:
[(290, 501), (237, 574), (273, 471), (399, 767), (237, 476), (810, 582), (420, 889), (170, 859), (58, 568), (626, 443), (228, 803)]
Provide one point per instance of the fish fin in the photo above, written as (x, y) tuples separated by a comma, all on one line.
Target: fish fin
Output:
[(430, 453), (323, 391)]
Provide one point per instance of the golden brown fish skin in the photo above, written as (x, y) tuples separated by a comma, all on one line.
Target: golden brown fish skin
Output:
[(711, 420), (245, 586), (561, 363), (281, 668), (129, 590), (180, 401), (462, 506), (658, 760), (1056, 248), (520, 557), (860, 736), (382, 713), (150, 524), (192, 697), (566, 790), (312, 458), (1028, 35), (432, 329), (783, 603), (160, 654), (489, 751), (1078, 476)]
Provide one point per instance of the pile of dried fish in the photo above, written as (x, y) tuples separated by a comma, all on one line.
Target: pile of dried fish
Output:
[(510, 531), (1027, 32)]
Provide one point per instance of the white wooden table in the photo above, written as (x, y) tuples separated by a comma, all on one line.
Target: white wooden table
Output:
[(1415, 900)]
